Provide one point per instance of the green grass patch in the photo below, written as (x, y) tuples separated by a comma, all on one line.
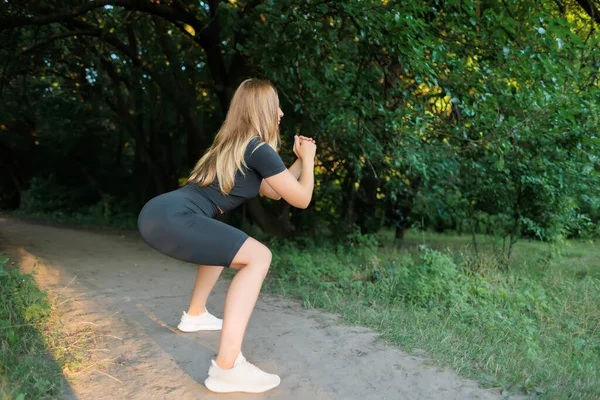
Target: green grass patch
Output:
[(27, 370), (531, 326), (34, 348)]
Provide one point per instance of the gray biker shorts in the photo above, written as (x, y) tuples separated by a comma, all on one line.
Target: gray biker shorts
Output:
[(181, 225)]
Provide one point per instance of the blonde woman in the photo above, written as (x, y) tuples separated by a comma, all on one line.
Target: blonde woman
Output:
[(241, 163)]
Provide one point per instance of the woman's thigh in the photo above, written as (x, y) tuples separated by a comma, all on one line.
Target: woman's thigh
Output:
[(195, 238)]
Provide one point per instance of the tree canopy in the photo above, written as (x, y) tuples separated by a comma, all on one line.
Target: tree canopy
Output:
[(443, 114)]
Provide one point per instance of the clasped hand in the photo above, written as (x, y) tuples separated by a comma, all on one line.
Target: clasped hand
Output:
[(305, 148)]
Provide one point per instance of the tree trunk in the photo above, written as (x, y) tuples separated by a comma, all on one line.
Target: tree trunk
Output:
[(92, 181), (348, 216), (513, 233), (402, 221), (19, 186), (591, 10), (264, 220), (10, 162), (185, 97), (399, 235), (366, 214)]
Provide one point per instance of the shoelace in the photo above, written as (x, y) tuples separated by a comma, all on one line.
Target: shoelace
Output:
[(243, 360), (253, 368), (211, 316)]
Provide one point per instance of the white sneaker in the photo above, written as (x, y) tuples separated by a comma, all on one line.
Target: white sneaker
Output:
[(202, 322), (243, 377)]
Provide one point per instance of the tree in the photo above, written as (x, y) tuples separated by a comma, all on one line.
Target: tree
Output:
[(424, 112)]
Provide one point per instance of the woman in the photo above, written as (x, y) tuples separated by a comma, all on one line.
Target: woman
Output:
[(241, 163)]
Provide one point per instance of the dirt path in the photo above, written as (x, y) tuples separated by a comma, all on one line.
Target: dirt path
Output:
[(133, 297)]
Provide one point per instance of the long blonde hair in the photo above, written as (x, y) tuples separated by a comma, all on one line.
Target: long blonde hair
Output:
[(253, 112)]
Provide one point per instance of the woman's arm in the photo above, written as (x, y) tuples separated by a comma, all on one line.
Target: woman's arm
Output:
[(266, 189), (297, 192), (295, 170)]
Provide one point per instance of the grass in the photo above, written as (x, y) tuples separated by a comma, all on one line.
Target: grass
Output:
[(531, 326), (35, 349), (26, 368)]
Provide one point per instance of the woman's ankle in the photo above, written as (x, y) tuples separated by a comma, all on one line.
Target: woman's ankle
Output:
[(226, 361), (195, 312)]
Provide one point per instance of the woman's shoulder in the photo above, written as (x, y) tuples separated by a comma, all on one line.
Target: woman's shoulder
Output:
[(264, 159), (253, 144)]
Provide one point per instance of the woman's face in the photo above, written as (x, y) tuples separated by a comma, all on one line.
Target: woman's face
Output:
[(279, 115)]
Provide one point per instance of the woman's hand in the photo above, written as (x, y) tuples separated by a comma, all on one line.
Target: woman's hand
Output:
[(306, 149), (296, 145), (297, 183), (298, 142)]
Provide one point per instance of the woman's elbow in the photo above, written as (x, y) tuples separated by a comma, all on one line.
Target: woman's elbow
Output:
[(305, 203), (271, 195)]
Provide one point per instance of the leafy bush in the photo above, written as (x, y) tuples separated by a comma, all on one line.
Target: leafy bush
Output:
[(526, 330), (47, 200), (44, 195)]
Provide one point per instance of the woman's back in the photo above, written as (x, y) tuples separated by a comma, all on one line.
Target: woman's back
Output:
[(262, 162)]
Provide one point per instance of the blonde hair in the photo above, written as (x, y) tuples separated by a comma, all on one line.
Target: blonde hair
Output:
[(253, 112)]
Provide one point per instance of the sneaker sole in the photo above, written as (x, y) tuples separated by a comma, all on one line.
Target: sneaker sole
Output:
[(196, 328), (217, 386)]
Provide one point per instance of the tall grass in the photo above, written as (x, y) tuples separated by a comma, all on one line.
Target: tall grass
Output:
[(35, 349), (528, 326), (27, 370)]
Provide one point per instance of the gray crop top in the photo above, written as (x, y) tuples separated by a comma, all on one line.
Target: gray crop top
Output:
[(262, 162)]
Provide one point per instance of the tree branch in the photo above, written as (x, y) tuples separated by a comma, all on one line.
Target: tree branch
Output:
[(590, 8), (561, 7), (16, 22), (57, 37), (109, 38), (168, 13)]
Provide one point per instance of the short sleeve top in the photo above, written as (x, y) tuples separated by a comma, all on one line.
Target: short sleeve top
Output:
[(263, 159), (262, 162)]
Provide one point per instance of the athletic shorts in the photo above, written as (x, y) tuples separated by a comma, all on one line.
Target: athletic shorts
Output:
[(181, 225)]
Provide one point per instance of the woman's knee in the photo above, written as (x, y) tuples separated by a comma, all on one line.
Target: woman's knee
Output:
[(266, 256), (253, 253)]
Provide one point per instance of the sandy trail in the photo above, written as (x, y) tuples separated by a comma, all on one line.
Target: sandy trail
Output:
[(134, 296)]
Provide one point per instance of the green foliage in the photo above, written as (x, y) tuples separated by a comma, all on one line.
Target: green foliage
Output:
[(439, 115), (47, 200), (527, 329), (432, 282), (44, 195), (26, 369), (465, 109)]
